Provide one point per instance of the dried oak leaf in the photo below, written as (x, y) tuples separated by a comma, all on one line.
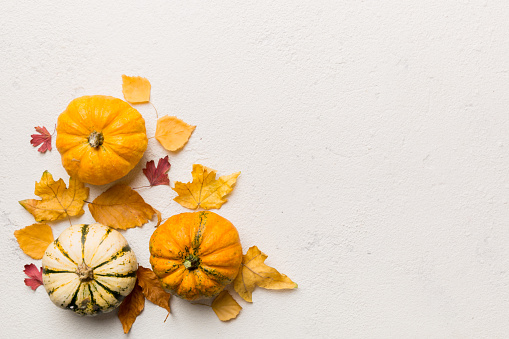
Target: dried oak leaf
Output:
[(58, 201), (121, 207), (173, 133), (131, 307), (35, 276), (44, 138), (152, 289), (225, 307), (158, 175), (205, 191), (136, 90), (253, 272), (34, 239)]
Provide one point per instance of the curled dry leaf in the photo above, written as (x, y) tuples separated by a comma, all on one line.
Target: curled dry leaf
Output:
[(35, 276), (158, 175), (121, 207), (253, 272), (152, 289), (225, 307), (136, 90), (34, 239), (44, 138), (131, 307), (58, 201), (205, 191), (173, 133)]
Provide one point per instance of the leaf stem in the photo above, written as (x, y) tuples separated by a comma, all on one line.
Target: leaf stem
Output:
[(135, 188), (155, 109)]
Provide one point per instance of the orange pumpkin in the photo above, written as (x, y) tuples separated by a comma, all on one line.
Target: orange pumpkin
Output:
[(195, 255), (100, 138)]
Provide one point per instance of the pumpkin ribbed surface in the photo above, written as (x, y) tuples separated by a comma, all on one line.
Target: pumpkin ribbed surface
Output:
[(195, 255), (89, 269), (100, 138)]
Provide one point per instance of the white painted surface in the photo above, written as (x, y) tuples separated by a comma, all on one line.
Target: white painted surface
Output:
[(372, 137)]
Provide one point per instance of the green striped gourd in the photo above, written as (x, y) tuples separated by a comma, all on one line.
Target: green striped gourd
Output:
[(89, 269)]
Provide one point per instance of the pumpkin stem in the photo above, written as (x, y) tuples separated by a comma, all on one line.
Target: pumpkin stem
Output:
[(95, 139), (192, 262), (84, 272)]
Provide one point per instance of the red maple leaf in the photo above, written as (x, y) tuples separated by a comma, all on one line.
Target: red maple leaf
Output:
[(158, 176), (43, 138), (35, 275)]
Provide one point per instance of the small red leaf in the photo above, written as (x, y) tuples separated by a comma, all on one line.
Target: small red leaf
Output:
[(43, 138), (35, 275), (158, 176)]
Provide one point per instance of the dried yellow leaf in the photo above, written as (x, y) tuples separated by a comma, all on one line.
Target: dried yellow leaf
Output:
[(173, 133), (121, 207), (34, 239), (58, 201), (204, 191), (253, 272), (225, 307), (136, 89)]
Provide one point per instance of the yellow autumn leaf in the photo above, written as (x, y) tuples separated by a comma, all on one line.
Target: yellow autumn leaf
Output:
[(34, 239), (121, 207), (253, 272), (204, 191), (152, 289), (173, 133), (136, 90), (225, 306), (58, 201)]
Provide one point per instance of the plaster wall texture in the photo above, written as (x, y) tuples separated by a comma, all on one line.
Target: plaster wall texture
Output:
[(372, 137)]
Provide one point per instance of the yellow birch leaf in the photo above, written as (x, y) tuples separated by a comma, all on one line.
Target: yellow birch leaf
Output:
[(58, 201), (204, 191), (34, 239), (152, 289), (136, 89), (173, 133), (225, 307), (253, 272), (121, 207), (131, 307)]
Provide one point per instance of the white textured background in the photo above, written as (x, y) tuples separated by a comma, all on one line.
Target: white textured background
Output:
[(372, 137)]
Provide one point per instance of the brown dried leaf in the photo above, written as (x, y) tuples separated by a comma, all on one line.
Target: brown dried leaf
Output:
[(152, 289), (121, 207), (34, 239), (225, 307), (253, 272), (131, 307)]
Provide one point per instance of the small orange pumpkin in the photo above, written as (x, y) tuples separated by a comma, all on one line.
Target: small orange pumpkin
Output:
[(195, 255), (100, 138)]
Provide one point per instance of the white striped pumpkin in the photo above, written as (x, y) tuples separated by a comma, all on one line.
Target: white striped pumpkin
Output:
[(89, 269)]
